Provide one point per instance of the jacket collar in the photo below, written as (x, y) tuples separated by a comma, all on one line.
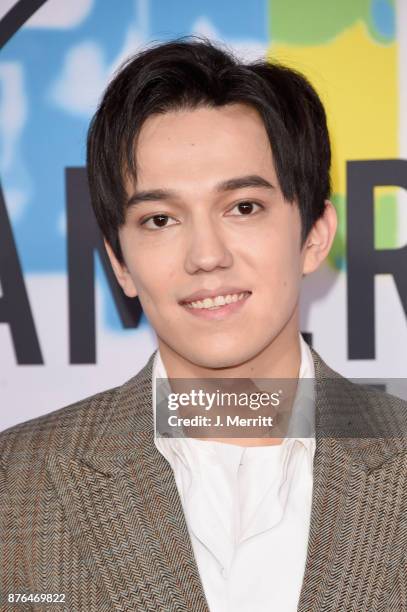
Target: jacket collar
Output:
[(340, 413)]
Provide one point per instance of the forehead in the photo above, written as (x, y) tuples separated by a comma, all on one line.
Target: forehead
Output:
[(204, 145)]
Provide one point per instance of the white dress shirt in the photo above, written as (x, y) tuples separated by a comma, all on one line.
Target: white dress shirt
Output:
[(247, 509)]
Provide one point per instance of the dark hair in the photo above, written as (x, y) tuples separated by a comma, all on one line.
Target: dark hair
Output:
[(190, 72)]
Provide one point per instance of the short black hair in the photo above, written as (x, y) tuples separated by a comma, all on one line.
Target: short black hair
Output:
[(191, 72)]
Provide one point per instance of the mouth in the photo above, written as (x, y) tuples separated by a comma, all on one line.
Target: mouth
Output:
[(217, 307)]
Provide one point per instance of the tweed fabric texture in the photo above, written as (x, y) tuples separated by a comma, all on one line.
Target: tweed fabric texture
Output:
[(90, 508)]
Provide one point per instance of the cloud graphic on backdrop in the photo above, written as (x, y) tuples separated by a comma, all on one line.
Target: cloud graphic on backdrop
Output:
[(60, 14), (13, 111), (85, 74), (82, 79), (13, 117), (17, 200), (246, 49)]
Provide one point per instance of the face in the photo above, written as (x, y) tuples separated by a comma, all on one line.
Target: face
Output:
[(207, 217)]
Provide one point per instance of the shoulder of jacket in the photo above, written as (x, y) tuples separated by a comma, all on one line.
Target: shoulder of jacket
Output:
[(69, 429), (54, 430)]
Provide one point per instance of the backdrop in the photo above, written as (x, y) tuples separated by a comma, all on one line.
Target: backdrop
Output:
[(66, 332)]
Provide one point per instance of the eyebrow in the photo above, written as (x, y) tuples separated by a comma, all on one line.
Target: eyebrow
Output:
[(241, 182)]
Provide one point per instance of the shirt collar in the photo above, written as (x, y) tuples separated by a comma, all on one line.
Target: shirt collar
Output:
[(302, 422)]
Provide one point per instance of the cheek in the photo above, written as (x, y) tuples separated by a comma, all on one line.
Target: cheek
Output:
[(277, 262), (141, 264), (155, 282)]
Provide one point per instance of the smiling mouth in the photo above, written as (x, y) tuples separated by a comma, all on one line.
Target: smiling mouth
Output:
[(217, 302)]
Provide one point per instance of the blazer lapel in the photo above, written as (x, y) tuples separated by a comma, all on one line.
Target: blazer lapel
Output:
[(124, 510), (358, 518)]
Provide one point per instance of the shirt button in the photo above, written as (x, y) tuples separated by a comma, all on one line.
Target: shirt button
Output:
[(224, 573)]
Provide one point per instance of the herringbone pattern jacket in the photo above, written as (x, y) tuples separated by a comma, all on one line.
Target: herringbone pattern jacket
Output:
[(90, 509)]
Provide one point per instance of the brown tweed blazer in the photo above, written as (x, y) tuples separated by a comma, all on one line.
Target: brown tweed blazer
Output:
[(90, 509)]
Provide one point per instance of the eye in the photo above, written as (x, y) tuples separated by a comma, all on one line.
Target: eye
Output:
[(156, 222), (246, 208)]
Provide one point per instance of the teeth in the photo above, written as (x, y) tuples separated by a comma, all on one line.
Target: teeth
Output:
[(219, 300)]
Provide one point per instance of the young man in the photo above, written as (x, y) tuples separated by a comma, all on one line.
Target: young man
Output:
[(210, 182)]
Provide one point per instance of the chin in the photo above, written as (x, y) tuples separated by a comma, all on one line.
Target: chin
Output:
[(229, 357)]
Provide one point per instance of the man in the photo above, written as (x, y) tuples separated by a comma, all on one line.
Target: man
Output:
[(210, 182)]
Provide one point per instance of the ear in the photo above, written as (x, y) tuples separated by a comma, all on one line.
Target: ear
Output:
[(320, 239), (121, 272)]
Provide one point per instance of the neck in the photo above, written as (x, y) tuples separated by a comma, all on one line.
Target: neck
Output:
[(280, 359)]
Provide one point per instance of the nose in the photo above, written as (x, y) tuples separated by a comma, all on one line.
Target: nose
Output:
[(207, 248)]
